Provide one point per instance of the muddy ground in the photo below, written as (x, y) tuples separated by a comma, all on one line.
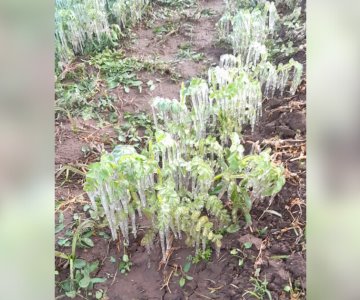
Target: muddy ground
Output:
[(279, 252)]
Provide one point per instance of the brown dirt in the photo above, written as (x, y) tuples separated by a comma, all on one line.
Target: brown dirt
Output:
[(220, 278)]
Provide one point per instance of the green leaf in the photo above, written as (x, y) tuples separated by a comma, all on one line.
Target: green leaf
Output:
[(59, 227), (98, 295), (97, 280), (182, 281), (234, 252), (61, 218), (84, 283), (233, 228), (104, 235), (79, 263), (71, 294), (93, 266), (189, 277), (241, 262), (126, 89), (287, 289), (112, 259), (88, 242), (64, 242), (248, 245), (187, 267), (125, 258)]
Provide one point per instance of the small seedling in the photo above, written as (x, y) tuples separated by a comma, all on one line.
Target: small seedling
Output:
[(247, 245), (262, 232), (260, 289), (240, 255), (125, 264), (202, 255), (184, 270), (190, 54)]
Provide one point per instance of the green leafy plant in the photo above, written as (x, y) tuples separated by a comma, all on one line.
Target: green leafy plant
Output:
[(202, 256), (137, 130), (260, 289), (125, 264), (240, 254), (190, 54), (79, 269), (183, 273)]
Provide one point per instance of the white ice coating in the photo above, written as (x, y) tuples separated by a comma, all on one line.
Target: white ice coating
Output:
[(133, 223), (273, 17), (92, 197), (229, 61), (79, 21), (201, 105)]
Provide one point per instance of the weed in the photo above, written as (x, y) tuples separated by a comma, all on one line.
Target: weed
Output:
[(262, 232), (190, 54), (184, 270), (240, 254), (82, 278), (202, 256), (260, 289), (295, 292), (79, 269), (163, 29), (177, 3), (137, 130), (125, 264)]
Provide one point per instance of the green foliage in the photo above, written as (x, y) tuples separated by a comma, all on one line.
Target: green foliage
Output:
[(260, 289), (184, 270), (82, 278), (117, 69), (190, 54), (79, 270), (125, 264), (137, 130), (202, 256), (177, 3)]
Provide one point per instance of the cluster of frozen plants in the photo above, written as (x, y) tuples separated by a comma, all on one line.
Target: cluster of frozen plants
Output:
[(92, 23), (195, 164)]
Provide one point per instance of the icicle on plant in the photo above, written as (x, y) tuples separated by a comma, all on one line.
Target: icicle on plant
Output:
[(238, 102), (294, 69), (202, 105), (171, 113), (272, 78), (117, 181), (77, 22)]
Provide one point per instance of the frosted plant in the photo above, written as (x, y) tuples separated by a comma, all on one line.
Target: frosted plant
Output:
[(224, 26), (238, 102), (229, 61), (269, 77), (250, 26), (273, 17), (255, 52), (77, 22), (117, 180), (170, 112), (294, 69), (202, 105)]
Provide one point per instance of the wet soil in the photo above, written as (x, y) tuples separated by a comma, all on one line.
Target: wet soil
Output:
[(277, 254)]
